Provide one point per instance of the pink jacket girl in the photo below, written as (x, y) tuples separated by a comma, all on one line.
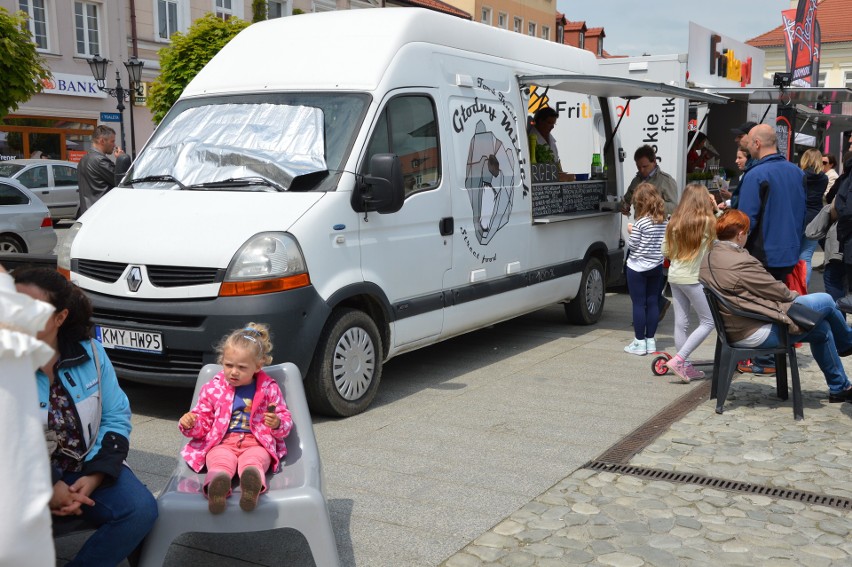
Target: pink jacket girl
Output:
[(214, 413)]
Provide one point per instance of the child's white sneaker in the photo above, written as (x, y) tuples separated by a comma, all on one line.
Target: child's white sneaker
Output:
[(651, 345), (637, 347)]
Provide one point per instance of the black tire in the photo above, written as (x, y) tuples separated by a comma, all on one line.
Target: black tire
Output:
[(11, 245), (347, 367), (587, 307), (658, 365)]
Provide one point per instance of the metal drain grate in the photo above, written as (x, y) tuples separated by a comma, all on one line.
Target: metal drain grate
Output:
[(645, 434), (722, 484)]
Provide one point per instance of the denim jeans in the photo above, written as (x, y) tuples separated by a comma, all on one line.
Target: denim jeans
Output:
[(806, 253), (124, 510), (834, 279), (644, 288), (828, 337)]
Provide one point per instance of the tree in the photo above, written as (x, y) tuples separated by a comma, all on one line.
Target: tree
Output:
[(184, 58), (22, 70), (258, 10)]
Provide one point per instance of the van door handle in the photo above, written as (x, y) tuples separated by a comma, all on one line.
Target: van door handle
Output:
[(445, 225)]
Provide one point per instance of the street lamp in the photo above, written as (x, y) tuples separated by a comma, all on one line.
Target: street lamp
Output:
[(98, 66)]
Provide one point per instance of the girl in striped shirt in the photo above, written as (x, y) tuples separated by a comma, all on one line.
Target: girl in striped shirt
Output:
[(645, 266)]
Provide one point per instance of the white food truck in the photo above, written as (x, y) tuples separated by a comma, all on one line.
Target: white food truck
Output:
[(361, 182)]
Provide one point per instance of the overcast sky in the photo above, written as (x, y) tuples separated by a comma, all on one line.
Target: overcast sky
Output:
[(661, 27)]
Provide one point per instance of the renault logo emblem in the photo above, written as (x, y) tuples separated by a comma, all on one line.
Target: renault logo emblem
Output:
[(134, 278)]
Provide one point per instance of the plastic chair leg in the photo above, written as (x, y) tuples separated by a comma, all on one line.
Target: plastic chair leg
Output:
[(798, 409), (726, 371), (781, 387), (717, 360)]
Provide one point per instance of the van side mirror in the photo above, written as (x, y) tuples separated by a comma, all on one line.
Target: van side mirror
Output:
[(382, 191), (122, 164)]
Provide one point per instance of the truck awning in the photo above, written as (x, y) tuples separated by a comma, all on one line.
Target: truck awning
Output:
[(792, 95), (610, 87)]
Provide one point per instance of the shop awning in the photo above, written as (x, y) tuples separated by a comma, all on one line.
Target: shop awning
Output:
[(792, 95), (610, 87)]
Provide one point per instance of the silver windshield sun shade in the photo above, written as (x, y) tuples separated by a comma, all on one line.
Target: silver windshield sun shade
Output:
[(232, 141)]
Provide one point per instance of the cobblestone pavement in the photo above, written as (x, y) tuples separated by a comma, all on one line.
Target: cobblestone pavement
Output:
[(603, 518)]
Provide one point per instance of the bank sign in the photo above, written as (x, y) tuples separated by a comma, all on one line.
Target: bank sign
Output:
[(72, 85)]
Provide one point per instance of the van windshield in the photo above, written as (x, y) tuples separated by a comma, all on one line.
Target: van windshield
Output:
[(269, 142)]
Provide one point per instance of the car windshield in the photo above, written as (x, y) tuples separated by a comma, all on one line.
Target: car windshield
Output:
[(272, 142), (9, 169)]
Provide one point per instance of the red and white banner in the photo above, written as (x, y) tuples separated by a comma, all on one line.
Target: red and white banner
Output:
[(802, 34)]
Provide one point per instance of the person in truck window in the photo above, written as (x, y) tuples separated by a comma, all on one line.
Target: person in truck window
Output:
[(544, 120), (88, 427)]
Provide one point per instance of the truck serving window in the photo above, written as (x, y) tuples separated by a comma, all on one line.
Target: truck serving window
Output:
[(270, 142)]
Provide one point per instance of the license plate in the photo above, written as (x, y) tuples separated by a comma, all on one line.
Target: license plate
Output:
[(129, 339)]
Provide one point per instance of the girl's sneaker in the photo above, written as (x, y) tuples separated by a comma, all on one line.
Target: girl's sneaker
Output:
[(692, 372), (637, 347), (678, 366), (650, 345)]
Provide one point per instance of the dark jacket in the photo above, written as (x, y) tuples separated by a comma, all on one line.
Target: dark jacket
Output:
[(843, 205), (815, 185), (784, 218), (96, 175), (741, 279)]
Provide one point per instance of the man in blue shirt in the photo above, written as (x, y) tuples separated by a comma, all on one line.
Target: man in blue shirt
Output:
[(776, 187)]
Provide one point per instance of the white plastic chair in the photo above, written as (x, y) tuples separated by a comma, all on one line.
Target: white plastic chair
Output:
[(294, 498)]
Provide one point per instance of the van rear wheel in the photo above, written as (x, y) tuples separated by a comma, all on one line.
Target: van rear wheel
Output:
[(347, 366), (587, 307)]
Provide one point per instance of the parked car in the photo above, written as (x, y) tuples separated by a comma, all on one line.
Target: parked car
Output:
[(25, 223), (53, 181)]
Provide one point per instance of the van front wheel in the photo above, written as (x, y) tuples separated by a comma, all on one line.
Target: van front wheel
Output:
[(347, 366), (587, 307)]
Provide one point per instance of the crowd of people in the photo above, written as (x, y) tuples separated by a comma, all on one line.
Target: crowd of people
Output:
[(755, 248)]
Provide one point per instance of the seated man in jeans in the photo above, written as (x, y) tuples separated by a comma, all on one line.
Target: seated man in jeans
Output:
[(741, 279)]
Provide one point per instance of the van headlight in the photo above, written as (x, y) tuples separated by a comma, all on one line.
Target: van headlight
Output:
[(63, 254), (268, 262)]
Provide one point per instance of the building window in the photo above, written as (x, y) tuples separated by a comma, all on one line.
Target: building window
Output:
[(518, 25), (167, 18), (275, 10), (600, 47), (821, 79), (503, 20), (531, 29), (224, 9), (486, 16), (582, 41), (545, 33), (847, 79), (37, 21), (560, 34), (87, 28)]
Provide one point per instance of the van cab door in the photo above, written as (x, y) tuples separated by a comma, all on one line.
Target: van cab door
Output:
[(406, 253)]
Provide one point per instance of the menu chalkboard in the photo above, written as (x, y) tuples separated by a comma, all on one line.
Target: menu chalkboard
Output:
[(565, 198)]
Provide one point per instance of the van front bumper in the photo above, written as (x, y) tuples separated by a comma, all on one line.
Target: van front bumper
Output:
[(191, 329)]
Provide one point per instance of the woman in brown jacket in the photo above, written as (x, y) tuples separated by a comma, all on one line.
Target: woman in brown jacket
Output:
[(735, 274)]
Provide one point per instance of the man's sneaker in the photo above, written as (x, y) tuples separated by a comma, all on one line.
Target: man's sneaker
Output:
[(745, 367), (651, 345), (691, 372), (637, 347), (664, 307), (754, 369), (678, 366)]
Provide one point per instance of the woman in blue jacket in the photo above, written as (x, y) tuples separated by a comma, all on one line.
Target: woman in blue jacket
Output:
[(88, 427)]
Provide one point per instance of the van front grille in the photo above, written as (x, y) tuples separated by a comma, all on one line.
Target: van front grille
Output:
[(120, 317), (178, 363), (108, 272), (160, 276)]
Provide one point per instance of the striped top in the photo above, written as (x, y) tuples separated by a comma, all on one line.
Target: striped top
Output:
[(646, 245)]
